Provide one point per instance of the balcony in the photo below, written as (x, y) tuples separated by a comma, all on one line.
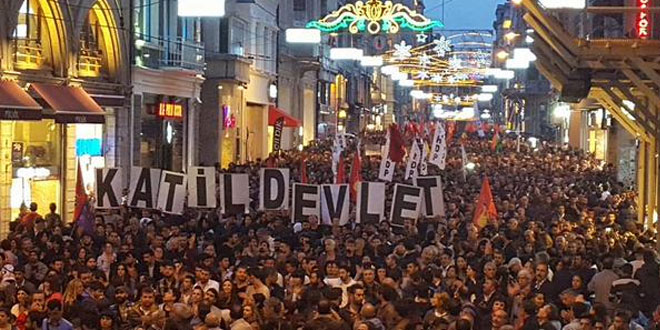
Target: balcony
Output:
[(229, 67), (28, 54), (90, 60), (170, 54)]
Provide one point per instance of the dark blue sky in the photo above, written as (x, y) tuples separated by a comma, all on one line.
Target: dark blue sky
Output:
[(464, 14)]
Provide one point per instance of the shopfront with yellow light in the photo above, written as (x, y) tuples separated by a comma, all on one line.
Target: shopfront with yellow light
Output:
[(50, 130)]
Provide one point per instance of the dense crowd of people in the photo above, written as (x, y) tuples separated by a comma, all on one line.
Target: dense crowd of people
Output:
[(565, 252)]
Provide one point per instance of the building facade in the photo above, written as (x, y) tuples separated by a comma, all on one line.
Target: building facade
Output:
[(64, 99), (167, 76), (241, 84)]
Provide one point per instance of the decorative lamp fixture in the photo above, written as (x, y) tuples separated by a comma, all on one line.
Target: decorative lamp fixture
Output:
[(374, 16)]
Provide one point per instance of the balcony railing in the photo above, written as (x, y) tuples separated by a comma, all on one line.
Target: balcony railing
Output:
[(178, 53), (28, 54)]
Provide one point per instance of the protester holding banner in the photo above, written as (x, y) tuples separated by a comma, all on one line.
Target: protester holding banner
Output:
[(519, 240)]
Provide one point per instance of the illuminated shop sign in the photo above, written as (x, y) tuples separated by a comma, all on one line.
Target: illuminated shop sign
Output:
[(643, 22), (170, 110)]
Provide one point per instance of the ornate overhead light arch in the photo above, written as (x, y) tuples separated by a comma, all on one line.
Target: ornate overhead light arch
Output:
[(374, 16)]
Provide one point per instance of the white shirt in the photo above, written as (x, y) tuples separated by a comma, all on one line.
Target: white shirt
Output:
[(211, 284), (338, 283)]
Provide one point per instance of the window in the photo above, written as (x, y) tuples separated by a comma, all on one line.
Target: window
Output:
[(237, 45), (29, 23), (89, 35), (299, 5)]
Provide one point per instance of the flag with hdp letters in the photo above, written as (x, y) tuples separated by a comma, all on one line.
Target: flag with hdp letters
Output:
[(414, 158)]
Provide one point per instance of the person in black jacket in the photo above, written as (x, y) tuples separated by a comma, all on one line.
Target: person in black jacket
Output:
[(89, 310), (625, 292), (649, 280)]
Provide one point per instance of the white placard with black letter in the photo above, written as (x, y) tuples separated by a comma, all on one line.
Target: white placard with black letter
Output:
[(439, 152), (414, 159), (370, 206), (143, 189), (334, 203), (108, 186), (274, 189), (433, 202), (234, 194), (201, 187), (172, 192), (405, 204), (305, 202)]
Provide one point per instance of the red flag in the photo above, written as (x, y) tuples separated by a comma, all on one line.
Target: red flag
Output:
[(397, 149), (451, 129), (356, 174), (340, 171), (81, 195), (495, 142), (303, 170), (470, 128), (485, 210)]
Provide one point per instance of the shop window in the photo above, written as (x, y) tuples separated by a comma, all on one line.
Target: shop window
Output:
[(162, 134), (36, 164)]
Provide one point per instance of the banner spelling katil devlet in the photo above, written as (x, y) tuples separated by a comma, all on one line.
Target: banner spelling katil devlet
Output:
[(156, 189)]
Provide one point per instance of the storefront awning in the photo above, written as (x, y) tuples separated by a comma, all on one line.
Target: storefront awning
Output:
[(16, 104), (69, 104), (274, 114)]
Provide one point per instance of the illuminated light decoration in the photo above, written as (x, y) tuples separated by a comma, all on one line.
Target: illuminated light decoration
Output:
[(423, 75), (451, 80), (399, 76), (563, 4), (510, 36), (643, 19), (421, 38), (507, 24), (484, 97), (502, 55), (406, 83), (504, 74), (170, 110), (420, 95), (524, 54), (514, 63), (437, 110), (303, 36), (402, 51), (485, 116), (442, 46), (371, 61), (461, 76), (201, 8), (272, 91), (424, 60), (455, 62), (374, 16), (489, 88), (436, 78), (389, 70), (346, 54), (529, 40)]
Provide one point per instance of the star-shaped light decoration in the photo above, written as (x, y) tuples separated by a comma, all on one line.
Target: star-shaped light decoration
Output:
[(402, 51), (436, 78), (461, 76), (455, 62), (442, 46), (421, 38), (451, 80), (424, 60), (423, 75), (438, 98)]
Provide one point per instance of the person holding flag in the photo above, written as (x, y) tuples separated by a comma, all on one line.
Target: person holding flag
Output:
[(485, 210)]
